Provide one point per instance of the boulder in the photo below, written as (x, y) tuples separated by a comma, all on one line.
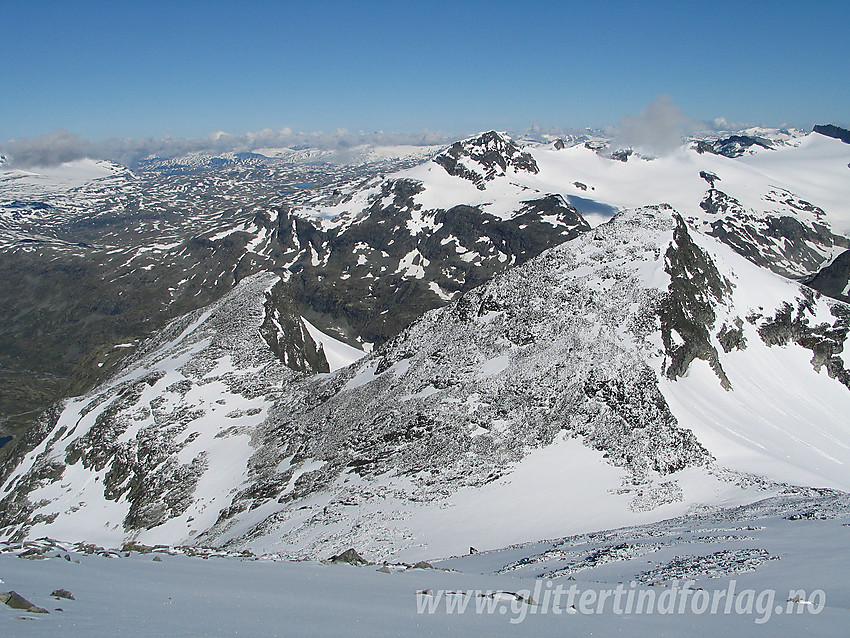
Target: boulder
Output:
[(16, 601), (349, 556), (63, 593)]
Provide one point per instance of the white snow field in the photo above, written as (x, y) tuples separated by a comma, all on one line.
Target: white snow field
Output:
[(59, 178), (781, 578), (338, 354)]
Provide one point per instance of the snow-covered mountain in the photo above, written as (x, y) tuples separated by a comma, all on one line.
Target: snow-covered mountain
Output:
[(631, 374), (782, 207), (108, 260), (662, 361), (780, 204)]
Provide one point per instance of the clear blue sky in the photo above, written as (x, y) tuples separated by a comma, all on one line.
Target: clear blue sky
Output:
[(139, 69)]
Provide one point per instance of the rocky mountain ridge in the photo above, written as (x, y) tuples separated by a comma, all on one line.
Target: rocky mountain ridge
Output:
[(594, 350), (140, 249)]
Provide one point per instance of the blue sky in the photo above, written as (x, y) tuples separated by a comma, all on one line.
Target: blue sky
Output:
[(186, 69)]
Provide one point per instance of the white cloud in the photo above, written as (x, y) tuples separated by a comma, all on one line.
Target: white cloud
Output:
[(658, 130)]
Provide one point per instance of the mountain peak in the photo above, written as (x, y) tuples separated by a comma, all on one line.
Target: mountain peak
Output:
[(483, 158)]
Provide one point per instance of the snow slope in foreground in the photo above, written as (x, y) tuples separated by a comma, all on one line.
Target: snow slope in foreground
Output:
[(760, 554)]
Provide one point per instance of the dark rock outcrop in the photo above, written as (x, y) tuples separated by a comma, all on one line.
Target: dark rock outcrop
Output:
[(733, 146), (287, 336), (831, 130), (709, 177), (349, 556), (833, 280), (688, 310), (63, 593), (717, 202), (791, 324)]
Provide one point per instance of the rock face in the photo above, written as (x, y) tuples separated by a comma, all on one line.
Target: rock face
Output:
[(793, 240), (287, 336), (826, 341), (734, 145), (833, 280), (696, 287), (830, 130), (394, 254), (372, 276), (208, 438), (717, 202)]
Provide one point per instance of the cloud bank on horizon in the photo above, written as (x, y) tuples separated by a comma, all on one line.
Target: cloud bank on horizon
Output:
[(62, 146), (659, 129)]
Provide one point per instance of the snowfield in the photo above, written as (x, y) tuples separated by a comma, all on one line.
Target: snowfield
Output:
[(781, 563)]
